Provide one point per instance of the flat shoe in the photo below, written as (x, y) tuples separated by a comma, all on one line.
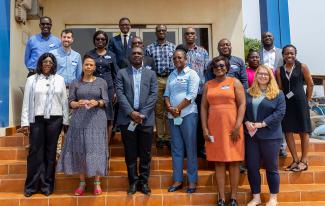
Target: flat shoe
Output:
[(191, 190), (175, 188)]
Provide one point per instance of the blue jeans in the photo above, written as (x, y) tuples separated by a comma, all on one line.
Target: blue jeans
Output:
[(183, 137)]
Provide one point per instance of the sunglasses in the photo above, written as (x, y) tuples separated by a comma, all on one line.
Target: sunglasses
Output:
[(161, 30), (221, 66), (100, 39), (189, 33), (47, 62)]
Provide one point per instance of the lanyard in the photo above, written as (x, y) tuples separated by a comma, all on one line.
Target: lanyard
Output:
[(288, 75)]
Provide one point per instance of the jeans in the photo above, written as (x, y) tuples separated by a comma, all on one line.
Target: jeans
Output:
[(184, 138)]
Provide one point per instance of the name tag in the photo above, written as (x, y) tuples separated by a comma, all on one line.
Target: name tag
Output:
[(181, 80), (74, 63), (290, 94), (148, 67), (225, 87), (107, 57), (51, 45)]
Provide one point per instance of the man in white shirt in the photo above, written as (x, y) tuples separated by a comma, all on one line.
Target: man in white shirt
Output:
[(272, 57)]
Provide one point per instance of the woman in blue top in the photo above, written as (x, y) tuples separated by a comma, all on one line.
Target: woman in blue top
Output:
[(181, 90), (265, 108)]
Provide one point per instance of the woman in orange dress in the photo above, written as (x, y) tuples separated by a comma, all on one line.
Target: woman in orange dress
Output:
[(223, 108)]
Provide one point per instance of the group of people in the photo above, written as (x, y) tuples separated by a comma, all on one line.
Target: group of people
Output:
[(217, 109)]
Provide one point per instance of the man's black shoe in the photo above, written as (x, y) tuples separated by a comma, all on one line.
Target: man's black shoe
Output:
[(132, 188), (145, 189), (159, 144)]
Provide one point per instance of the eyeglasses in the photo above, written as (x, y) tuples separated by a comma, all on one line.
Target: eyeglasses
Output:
[(45, 24), (221, 66), (47, 62), (100, 39), (263, 74), (189, 33), (137, 42), (161, 30)]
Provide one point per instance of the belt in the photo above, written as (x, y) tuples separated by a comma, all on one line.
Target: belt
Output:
[(162, 75)]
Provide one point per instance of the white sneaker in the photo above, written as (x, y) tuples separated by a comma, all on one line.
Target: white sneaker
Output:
[(272, 202), (254, 202)]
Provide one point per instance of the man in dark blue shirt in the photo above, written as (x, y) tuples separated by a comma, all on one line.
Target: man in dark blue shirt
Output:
[(237, 65)]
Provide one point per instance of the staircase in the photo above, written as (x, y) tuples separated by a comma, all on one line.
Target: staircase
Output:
[(296, 189)]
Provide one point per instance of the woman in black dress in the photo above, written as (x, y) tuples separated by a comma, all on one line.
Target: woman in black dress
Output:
[(291, 78), (106, 68)]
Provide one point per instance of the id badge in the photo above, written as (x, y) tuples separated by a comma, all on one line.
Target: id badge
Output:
[(290, 94), (132, 126), (178, 120)]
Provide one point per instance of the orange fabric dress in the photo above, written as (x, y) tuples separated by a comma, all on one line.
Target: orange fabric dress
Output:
[(222, 115)]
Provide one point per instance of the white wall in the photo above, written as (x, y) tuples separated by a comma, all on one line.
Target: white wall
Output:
[(307, 29), (251, 18)]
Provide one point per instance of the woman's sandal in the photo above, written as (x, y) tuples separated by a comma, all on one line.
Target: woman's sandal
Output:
[(293, 165), (96, 190), (302, 166), (81, 189)]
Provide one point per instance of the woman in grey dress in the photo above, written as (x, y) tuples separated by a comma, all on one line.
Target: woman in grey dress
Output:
[(85, 149)]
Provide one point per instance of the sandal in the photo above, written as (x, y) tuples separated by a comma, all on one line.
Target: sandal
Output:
[(293, 165), (96, 186), (302, 166), (81, 189)]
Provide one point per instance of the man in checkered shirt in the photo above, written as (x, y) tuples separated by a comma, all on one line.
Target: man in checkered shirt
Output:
[(162, 52)]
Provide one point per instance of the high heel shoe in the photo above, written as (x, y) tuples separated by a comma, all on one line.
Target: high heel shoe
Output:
[(81, 189), (96, 190)]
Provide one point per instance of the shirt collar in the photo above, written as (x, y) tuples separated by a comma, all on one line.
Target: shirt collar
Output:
[(271, 50), (42, 37), (42, 76), (194, 48), (134, 70), (61, 49), (184, 71), (157, 44)]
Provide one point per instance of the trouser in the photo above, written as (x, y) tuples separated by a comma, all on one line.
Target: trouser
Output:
[(267, 151), (184, 139), (137, 143), (43, 139), (199, 131), (283, 142), (161, 112)]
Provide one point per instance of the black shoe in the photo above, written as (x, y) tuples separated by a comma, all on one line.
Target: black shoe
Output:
[(159, 144), (221, 202), (167, 143), (233, 202), (28, 194), (47, 193), (132, 188), (191, 190), (145, 189), (175, 188), (283, 153), (202, 154), (242, 168)]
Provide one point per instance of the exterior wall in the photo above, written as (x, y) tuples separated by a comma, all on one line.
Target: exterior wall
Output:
[(224, 16)]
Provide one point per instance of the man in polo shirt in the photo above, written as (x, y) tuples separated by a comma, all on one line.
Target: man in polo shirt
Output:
[(69, 64), (198, 60), (162, 52), (40, 44)]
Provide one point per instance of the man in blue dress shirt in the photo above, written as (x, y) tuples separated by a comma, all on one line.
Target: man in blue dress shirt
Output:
[(39, 44), (69, 64)]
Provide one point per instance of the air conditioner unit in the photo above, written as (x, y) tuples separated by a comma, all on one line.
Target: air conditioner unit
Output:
[(20, 12), (27, 4), (35, 12)]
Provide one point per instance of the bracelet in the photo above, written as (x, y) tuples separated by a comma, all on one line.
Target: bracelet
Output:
[(98, 101)]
